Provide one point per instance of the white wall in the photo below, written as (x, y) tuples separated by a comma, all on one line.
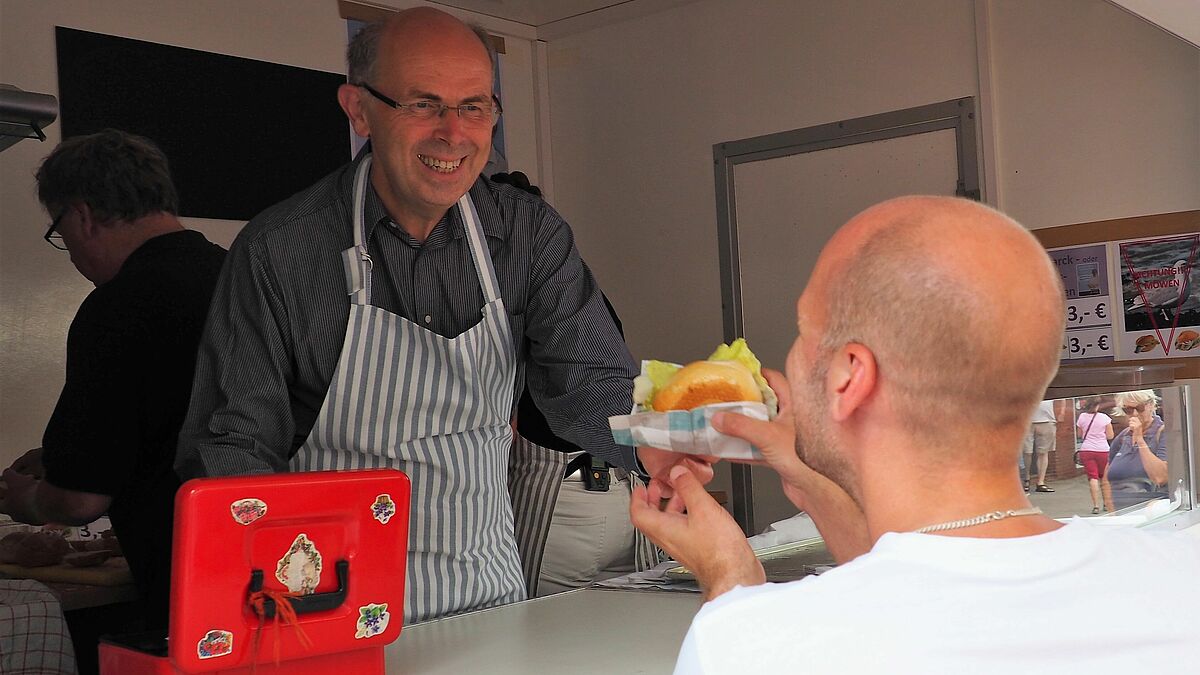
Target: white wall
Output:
[(39, 289), (1097, 113), (637, 106)]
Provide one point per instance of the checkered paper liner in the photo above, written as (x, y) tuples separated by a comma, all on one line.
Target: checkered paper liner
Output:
[(687, 431)]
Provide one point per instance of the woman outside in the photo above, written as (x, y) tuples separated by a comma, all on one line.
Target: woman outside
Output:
[(1137, 460), (1095, 429)]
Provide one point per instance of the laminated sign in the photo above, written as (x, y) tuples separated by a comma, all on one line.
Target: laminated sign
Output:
[(1084, 271), (1160, 315)]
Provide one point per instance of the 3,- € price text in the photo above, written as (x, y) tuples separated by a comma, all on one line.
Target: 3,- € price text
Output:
[(1087, 343), (1087, 314)]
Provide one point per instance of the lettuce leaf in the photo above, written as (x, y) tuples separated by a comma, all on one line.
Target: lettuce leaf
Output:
[(739, 351), (655, 375)]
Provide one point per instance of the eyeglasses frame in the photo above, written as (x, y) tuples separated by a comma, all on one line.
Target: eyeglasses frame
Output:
[(497, 109), (54, 238)]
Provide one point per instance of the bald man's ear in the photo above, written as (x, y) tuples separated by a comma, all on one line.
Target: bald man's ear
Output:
[(851, 380), (350, 98)]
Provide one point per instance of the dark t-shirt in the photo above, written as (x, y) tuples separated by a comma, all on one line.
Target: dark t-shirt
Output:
[(131, 351)]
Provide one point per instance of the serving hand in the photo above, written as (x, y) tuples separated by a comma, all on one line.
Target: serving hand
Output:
[(17, 493), (30, 464)]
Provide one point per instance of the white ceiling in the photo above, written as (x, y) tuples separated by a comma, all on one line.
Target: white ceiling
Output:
[(552, 19), (1179, 17), (534, 12)]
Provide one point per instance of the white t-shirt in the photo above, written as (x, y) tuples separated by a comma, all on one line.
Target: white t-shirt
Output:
[(1044, 413), (1096, 440), (1081, 599)]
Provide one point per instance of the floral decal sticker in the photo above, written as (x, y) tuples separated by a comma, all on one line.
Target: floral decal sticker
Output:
[(384, 508), (372, 620), (246, 511), (215, 643), (300, 568)]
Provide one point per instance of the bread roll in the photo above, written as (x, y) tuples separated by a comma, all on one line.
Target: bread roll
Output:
[(33, 549), (705, 382), (87, 558)]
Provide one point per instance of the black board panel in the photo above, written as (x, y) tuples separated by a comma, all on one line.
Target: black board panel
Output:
[(240, 134)]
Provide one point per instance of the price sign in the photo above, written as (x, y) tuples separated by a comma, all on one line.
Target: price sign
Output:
[(1088, 313), (1091, 343), (1088, 322)]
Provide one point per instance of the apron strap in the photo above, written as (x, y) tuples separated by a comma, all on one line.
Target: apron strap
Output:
[(356, 262), (479, 250)]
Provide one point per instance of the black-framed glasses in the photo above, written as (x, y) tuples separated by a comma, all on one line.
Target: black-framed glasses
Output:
[(478, 114), (52, 236), (1130, 409)]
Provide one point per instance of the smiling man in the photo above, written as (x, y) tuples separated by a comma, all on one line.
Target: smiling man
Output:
[(386, 316)]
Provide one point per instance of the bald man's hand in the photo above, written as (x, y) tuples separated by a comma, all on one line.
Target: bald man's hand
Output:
[(776, 440), (659, 464), (701, 535), (837, 516)]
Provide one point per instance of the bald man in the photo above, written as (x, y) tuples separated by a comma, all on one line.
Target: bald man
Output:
[(384, 317), (927, 335)]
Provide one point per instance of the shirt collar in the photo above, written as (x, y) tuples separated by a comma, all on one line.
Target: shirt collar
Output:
[(491, 220)]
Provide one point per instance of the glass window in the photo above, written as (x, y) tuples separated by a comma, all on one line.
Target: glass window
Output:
[(1123, 455)]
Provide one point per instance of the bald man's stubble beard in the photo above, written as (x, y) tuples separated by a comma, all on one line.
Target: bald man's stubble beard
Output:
[(814, 443)]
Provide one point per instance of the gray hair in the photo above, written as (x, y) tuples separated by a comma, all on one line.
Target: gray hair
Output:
[(363, 50), (119, 175), (1136, 398)]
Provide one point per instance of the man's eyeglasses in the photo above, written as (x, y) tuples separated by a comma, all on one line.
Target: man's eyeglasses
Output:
[(1130, 409), (478, 114), (52, 236)]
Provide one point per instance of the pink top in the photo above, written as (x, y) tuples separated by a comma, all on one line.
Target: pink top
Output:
[(1095, 439)]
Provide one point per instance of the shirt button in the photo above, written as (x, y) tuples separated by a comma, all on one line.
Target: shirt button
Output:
[(428, 318)]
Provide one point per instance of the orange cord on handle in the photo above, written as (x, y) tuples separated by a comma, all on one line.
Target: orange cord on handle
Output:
[(283, 611)]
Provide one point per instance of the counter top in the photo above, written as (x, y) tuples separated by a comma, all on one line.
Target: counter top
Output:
[(583, 631)]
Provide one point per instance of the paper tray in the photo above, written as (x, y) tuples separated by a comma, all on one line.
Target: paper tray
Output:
[(687, 431), (783, 562)]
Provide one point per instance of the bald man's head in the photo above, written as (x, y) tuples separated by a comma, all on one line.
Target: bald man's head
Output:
[(362, 54), (960, 305)]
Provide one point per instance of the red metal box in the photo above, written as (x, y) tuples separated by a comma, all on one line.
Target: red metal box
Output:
[(334, 541)]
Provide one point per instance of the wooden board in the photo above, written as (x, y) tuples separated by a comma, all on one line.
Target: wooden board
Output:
[(114, 572)]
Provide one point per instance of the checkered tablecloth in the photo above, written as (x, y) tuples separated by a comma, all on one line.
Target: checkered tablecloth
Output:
[(34, 639)]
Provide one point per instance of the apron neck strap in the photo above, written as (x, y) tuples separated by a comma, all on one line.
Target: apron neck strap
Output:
[(358, 261), (479, 249)]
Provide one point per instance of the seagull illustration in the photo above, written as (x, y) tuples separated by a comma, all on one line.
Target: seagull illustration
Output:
[(1165, 297)]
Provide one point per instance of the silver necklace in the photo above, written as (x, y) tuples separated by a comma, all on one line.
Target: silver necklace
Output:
[(979, 520)]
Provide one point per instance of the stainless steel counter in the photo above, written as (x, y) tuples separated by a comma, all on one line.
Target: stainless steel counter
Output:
[(583, 631)]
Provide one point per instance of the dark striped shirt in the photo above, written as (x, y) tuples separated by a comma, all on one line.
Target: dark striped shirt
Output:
[(278, 319)]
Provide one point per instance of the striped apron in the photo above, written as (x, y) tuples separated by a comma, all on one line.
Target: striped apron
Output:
[(437, 409), (535, 475)]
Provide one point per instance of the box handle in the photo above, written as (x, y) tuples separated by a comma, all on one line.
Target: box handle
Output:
[(304, 604)]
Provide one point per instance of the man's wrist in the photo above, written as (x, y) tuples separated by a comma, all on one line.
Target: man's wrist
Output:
[(750, 574)]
